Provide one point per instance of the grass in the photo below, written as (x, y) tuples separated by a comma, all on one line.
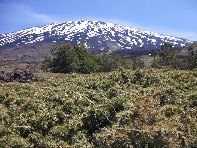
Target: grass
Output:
[(121, 108)]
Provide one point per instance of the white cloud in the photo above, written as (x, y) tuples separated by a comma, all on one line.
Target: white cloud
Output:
[(22, 13)]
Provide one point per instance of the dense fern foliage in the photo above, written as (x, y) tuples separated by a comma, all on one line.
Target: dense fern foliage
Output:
[(124, 108)]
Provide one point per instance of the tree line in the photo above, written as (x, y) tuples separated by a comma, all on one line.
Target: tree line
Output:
[(66, 58), (169, 56)]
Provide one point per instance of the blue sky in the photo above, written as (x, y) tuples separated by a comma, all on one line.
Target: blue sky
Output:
[(171, 17)]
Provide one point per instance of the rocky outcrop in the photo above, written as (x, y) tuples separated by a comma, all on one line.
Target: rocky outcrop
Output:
[(22, 76)]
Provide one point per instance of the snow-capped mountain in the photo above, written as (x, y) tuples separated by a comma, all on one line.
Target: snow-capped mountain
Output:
[(95, 35)]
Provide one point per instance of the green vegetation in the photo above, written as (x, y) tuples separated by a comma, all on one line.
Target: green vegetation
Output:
[(123, 108), (103, 101), (68, 59), (170, 56)]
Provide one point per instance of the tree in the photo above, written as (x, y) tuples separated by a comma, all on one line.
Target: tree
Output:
[(137, 63), (67, 58), (154, 53), (167, 55), (88, 62), (64, 59), (111, 62)]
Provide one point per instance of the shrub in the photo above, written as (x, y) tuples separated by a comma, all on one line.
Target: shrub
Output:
[(155, 64), (13, 141), (96, 120), (148, 81), (63, 133), (2, 98), (116, 106), (67, 58), (137, 77), (170, 111), (3, 131), (112, 93), (137, 64), (37, 140)]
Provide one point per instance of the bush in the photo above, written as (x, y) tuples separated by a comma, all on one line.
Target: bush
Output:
[(96, 120), (3, 131), (63, 133), (155, 64), (37, 140), (137, 77), (170, 111), (111, 62), (137, 64), (116, 106), (13, 141), (67, 58)]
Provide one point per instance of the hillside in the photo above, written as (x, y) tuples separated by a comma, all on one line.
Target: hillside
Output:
[(31, 53), (96, 35), (184, 50), (33, 45), (146, 108)]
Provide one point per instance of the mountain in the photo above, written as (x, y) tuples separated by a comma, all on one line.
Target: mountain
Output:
[(96, 35), (185, 50)]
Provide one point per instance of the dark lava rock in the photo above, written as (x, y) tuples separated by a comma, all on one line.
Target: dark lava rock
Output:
[(22, 76)]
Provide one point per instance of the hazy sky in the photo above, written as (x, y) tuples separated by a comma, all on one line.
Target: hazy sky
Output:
[(172, 17)]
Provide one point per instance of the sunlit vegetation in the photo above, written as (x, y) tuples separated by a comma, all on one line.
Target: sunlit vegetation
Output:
[(66, 58), (169, 56), (123, 108)]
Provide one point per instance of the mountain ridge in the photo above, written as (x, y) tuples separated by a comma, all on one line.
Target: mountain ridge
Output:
[(96, 35)]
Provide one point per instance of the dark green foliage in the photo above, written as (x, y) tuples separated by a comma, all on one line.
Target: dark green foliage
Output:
[(112, 93), (37, 140), (193, 100), (181, 62), (116, 106), (145, 80), (13, 141), (111, 62), (137, 77), (64, 133), (64, 59), (149, 80), (96, 120), (142, 139), (193, 145), (166, 97), (169, 56), (137, 64), (87, 61), (3, 131), (2, 98), (170, 111), (185, 62), (154, 53), (155, 64), (46, 64), (67, 58)]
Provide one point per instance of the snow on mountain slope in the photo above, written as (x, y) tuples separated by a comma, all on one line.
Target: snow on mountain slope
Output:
[(95, 35)]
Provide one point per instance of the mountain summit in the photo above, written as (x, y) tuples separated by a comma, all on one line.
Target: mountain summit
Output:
[(95, 35)]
